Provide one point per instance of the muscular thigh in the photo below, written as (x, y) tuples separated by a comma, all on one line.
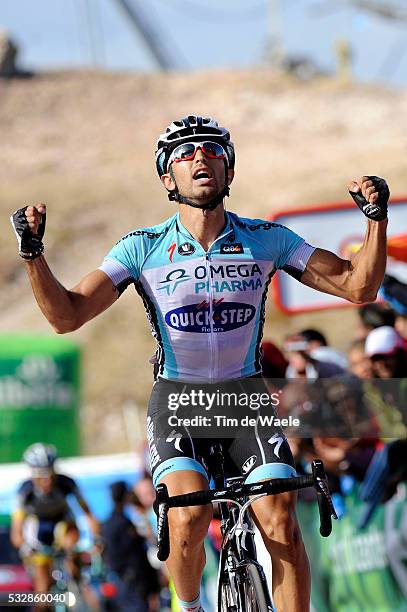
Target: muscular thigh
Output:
[(192, 521), (274, 508)]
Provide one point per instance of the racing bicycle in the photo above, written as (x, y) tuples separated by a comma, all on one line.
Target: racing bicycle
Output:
[(242, 585)]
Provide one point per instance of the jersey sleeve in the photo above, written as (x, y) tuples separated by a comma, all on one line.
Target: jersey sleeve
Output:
[(19, 501), (123, 262), (294, 252), (67, 485)]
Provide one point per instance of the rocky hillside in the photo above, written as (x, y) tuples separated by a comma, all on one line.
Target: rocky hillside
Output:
[(84, 144)]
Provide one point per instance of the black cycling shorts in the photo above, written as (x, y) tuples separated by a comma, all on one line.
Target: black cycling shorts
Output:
[(180, 436)]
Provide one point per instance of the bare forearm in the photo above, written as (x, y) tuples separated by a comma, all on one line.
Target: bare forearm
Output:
[(67, 310), (53, 299), (357, 280), (368, 266)]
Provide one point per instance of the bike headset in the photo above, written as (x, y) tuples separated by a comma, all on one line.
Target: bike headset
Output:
[(40, 458), (194, 129)]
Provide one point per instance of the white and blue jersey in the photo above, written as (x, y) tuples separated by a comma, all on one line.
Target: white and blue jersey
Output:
[(206, 308)]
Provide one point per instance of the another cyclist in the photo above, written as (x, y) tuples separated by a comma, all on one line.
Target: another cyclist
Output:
[(43, 518), (203, 276)]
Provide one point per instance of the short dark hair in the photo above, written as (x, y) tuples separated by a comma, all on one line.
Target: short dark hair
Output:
[(376, 315), (313, 335), (118, 491)]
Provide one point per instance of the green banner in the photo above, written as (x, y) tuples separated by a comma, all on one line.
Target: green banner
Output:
[(39, 394)]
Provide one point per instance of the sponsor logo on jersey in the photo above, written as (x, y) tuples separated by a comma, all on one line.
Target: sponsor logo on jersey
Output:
[(243, 270), (171, 250), (251, 284), (201, 318), (249, 463), (277, 440), (250, 273), (144, 232), (266, 225), (186, 248), (172, 280), (175, 437), (231, 249)]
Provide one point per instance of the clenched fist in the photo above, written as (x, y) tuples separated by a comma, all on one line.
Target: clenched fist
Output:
[(371, 194), (29, 226)]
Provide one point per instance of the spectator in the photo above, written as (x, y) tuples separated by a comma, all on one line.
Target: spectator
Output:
[(274, 364), (144, 491), (372, 316), (314, 338), (395, 292), (126, 556), (304, 365), (401, 325), (143, 499), (359, 363), (388, 393), (356, 568), (387, 352), (318, 348)]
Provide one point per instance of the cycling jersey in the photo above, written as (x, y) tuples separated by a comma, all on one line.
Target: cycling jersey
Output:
[(206, 309), (42, 512), (51, 506)]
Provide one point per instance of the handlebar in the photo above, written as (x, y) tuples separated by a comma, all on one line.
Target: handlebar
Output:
[(274, 486)]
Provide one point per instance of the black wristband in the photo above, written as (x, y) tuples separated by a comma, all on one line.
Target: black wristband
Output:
[(34, 254)]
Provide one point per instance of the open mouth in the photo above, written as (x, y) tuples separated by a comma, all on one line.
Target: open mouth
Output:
[(201, 175)]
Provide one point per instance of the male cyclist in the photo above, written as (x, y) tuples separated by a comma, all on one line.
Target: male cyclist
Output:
[(203, 276), (42, 517)]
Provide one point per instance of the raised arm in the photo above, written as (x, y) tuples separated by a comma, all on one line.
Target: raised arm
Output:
[(358, 279), (66, 310)]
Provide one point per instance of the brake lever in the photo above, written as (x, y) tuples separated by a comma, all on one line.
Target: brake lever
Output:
[(163, 535), (325, 504)]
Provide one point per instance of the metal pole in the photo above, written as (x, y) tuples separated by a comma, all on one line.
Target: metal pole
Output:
[(151, 39)]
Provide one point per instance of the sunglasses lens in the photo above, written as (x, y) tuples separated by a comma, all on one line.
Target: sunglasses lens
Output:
[(188, 150), (213, 149), (184, 151)]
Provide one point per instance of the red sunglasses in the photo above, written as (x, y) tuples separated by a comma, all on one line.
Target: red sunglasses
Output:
[(187, 151)]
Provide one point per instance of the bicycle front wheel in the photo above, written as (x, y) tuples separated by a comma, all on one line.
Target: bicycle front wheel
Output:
[(226, 600), (254, 595)]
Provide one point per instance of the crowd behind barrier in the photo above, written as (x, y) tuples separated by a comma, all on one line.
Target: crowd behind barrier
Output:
[(354, 412)]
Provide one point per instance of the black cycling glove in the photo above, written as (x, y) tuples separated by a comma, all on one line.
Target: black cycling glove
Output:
[(30, 245), (378, 210)]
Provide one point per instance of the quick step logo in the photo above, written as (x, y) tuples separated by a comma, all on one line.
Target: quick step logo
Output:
[(197, 317)]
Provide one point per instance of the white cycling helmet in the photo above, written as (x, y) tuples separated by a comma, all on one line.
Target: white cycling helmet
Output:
[(40, 456)]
